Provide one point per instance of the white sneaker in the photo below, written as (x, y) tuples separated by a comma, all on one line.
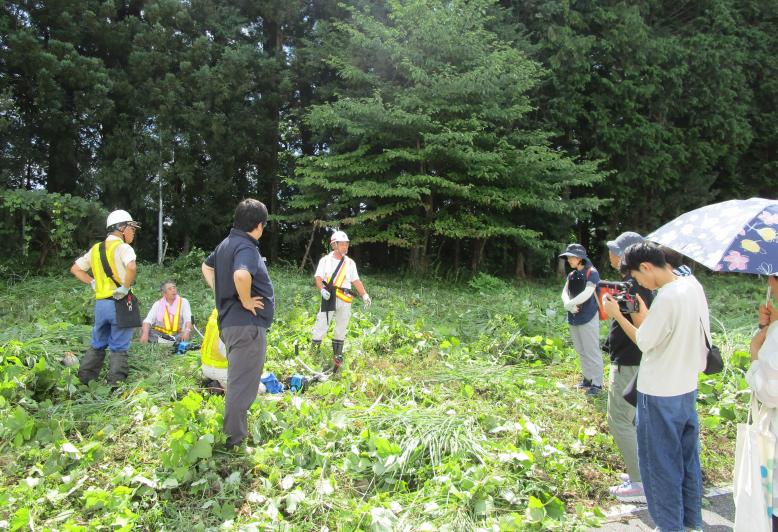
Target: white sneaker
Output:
[(629, 492)]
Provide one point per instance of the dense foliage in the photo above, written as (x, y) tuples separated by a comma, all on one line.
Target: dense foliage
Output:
[(451, 415), (447, 133)]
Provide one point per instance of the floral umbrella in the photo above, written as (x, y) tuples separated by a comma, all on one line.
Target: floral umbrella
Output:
[(731, 236)]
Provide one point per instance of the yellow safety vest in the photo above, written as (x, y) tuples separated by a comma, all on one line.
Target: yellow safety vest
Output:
[(343, 296), (104, 285), (167, 326), (209, 352)]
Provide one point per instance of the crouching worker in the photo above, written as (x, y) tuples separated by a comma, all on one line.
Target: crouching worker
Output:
[(112, 263), (335, 275), (170, 316), (213, 356)]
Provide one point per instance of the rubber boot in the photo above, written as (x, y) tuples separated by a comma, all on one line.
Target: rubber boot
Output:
[(337, 355), (91, 364), (118, 367)]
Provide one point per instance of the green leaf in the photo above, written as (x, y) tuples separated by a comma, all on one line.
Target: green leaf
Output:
[(202, 448)]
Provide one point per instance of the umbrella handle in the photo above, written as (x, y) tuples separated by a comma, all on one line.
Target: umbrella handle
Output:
[(769, 295)]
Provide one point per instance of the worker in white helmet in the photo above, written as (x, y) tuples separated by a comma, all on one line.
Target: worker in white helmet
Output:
[(335, 275), (109, 283)]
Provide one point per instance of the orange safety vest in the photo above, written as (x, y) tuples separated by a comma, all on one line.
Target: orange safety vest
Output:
[(343, 296), (170, 326), (104, 285)]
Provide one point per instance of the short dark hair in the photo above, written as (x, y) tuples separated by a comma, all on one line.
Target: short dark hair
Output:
[(636, 254), (249, 214), (672, 257)]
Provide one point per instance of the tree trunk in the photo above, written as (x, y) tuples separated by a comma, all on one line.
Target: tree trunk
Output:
[(478, 249), (308, 247), (63, 165), (560, 267), (520, 271), (275, 236), (274, 49), (413, 259)]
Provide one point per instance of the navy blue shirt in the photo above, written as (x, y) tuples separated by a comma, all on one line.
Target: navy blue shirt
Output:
[(576, 282), (240, 251)]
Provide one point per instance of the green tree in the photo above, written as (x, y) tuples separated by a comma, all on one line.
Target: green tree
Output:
[(658, 90), (60, 91), (428, 141)]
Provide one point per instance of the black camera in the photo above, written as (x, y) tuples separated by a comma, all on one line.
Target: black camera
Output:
[(624, 292)]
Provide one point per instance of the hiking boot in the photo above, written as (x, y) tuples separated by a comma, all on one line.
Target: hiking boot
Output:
[(594, 390), (585, 383), (629, 492)]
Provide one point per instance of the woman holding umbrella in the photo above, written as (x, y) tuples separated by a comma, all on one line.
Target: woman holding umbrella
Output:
[(739, 236), (762, 376)]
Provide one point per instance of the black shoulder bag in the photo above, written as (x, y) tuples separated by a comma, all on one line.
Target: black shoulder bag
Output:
[(328, 305), (127, 308), (714, 363)]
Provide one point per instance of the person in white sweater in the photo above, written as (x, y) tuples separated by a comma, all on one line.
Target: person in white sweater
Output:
[(762, 376), (672, 336)]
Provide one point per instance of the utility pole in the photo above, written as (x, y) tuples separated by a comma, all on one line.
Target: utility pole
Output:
[(160, 251)]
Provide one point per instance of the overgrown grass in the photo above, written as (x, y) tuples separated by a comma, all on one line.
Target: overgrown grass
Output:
[(457, 412)]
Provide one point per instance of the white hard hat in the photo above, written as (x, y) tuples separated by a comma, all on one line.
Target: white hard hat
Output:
[(338, 236), (119, 217)]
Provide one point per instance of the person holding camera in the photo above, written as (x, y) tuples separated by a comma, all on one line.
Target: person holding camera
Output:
[(672, 337), (625, 359), (582, 315)]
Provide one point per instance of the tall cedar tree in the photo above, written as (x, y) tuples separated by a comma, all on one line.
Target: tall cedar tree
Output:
[(426, 141)]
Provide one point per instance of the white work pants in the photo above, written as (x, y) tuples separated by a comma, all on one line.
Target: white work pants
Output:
[(341, 315)]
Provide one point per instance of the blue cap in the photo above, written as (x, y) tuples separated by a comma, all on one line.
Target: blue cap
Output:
[(623, 241), (575, 250)]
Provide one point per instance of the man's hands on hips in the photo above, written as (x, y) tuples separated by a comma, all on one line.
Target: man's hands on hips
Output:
[(253, 304)]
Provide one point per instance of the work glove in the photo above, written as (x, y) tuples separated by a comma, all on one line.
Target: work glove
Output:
[(121, 292), (367, 301), (572, 308), (93, 284), (325, 294)]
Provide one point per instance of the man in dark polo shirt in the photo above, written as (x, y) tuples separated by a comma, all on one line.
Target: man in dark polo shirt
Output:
[(245, 302)]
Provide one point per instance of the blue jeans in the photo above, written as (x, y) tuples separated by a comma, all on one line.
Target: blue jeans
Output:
[(669, 459), (105, 332)]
